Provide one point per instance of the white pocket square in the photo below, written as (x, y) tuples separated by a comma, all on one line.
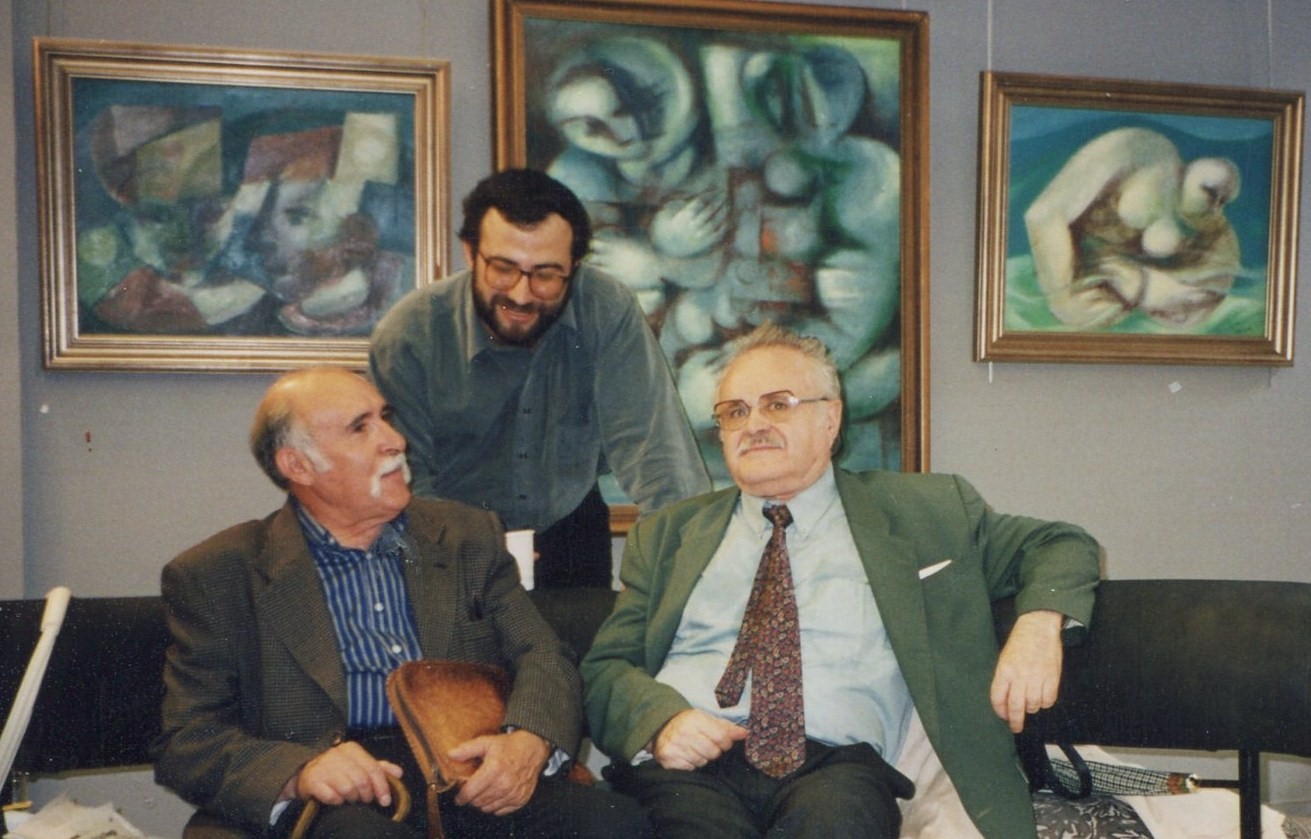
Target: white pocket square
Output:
[(929, 570)]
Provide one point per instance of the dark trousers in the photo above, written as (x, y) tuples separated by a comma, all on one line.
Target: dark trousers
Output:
[(558, 808), (839, 792), (575, 551)]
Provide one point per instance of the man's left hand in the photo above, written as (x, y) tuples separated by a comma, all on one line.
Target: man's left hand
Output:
[(1028, 672), (511, 765)]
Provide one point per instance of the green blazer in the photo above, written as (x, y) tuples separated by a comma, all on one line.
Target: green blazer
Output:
[(940, 626)]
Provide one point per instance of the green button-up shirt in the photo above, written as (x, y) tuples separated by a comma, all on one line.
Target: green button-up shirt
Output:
[(527, 431)]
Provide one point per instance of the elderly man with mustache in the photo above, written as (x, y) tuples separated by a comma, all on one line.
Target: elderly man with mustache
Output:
[(760, 670), (286, 628)]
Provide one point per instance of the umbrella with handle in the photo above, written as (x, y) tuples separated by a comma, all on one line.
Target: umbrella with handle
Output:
[(20, 713)]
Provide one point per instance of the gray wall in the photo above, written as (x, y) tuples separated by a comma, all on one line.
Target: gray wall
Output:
[(11, 425), (1180, 471)]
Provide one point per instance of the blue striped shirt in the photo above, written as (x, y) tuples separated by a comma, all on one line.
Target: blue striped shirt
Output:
[(365, 592)]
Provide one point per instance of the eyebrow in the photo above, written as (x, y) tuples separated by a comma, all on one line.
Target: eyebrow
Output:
[(506, 259), (784, 392), (358, 418)]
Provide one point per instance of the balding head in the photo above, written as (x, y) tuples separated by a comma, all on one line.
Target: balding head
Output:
[(280, 417)]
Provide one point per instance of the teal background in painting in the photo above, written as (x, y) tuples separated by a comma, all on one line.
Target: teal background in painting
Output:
[(1043, 138), (872, 441)]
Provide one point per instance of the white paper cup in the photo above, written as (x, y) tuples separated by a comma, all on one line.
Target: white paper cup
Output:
[(520, 544)]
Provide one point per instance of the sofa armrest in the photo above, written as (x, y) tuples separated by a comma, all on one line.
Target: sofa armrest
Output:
[(98, 705), (1187, 664)]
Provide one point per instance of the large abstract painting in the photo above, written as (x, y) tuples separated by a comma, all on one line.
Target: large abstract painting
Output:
[(743, 162), (1130, 221), (207, 209)]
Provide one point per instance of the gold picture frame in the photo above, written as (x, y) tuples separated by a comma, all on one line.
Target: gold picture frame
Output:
[(219, 210), (792, 138), (1136, 222)]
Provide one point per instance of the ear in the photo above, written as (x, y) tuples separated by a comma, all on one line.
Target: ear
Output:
[(294, 466), (834, 416), (468, 253)]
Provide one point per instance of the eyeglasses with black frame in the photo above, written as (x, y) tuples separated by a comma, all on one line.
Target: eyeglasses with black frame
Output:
[(776, 407), (545, 281)]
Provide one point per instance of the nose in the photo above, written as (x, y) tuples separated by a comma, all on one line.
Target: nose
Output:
[(392, 441), (756, 420), (521, 292)]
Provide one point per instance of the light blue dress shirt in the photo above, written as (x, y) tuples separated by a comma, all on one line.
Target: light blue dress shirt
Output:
[(852, 686)]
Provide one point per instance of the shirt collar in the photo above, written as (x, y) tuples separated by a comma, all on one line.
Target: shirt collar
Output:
[(475, 334), (326, 550), (806, 506)]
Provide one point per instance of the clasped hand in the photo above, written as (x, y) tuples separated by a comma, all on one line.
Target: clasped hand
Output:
[(693, 738), (504, 781), (344, 774)]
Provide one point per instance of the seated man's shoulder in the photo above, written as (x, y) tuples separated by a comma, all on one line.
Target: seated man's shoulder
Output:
[(446, 512), (220, 550), (678, 513), (908, 480), (907, 487)]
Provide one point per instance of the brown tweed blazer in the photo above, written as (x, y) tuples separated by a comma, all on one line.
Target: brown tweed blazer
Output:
[(254, 680)]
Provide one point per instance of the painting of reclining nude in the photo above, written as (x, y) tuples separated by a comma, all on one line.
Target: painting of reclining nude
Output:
[(1127, 234), (737, 175), (1125, 221), (232, 211)]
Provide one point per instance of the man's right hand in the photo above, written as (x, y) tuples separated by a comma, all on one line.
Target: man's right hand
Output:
[(346, 773), (693, 738)]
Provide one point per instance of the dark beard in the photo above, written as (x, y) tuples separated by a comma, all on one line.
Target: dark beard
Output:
[(487, 313)]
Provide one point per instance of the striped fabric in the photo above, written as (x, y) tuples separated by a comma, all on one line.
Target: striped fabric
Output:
[(366, 596)]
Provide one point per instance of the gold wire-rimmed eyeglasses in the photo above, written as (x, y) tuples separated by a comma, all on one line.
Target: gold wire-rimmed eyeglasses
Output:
[(775, 407)]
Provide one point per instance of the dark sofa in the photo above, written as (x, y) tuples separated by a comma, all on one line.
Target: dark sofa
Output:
[(1213, 665)]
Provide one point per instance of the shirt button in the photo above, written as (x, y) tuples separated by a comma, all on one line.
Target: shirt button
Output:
[(378, 607), (396, 649)]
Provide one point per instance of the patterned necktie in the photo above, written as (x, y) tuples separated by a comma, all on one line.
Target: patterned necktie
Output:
[(769, 645)]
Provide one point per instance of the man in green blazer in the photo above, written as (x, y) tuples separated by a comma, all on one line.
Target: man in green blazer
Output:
[(894, 575), (286, 628)]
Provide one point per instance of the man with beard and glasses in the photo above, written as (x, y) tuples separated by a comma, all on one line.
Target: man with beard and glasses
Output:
[(286, 628), (522, 380)]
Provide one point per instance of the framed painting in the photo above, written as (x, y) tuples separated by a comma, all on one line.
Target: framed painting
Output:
[(209, 209), (743, 162), (1136, 222)]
